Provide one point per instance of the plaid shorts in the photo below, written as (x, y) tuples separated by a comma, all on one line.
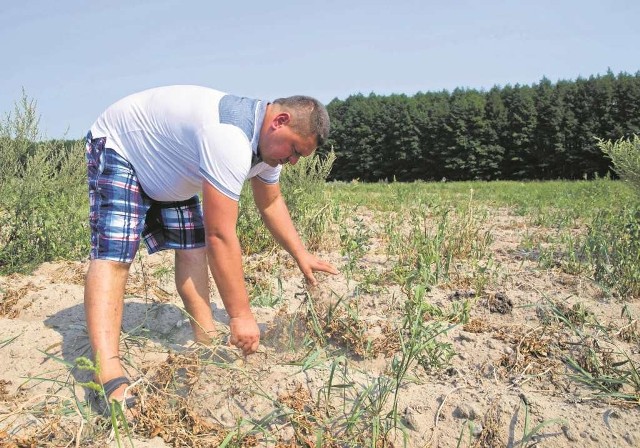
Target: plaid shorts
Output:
[(120, 212)]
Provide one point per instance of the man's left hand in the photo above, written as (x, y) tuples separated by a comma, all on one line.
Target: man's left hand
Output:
[(309, 264)]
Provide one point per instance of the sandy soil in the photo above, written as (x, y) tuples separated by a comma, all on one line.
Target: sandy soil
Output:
[(507, 371)]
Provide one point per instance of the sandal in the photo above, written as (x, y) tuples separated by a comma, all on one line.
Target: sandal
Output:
[(100, 401)]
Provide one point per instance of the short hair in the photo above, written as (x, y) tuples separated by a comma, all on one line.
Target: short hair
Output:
[(309, 116)]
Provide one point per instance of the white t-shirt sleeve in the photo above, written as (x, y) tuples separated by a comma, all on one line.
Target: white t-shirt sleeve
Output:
[(267, 174), (225, 158)]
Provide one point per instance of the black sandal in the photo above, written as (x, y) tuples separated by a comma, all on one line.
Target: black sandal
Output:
[(100, 401)]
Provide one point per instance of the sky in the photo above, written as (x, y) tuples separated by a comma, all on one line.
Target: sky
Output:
[(76, 57)]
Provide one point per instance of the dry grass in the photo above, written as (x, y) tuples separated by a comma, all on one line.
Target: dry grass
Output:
[(10, 306), (533, 351), (492, 426), (477, 325), (343, 327)]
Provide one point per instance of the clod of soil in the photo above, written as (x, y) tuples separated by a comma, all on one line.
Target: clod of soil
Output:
[(500, 303)]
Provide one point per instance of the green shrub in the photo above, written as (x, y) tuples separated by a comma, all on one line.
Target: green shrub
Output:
[(303, 187), (625, 155), (43, 199), (613, 242), (254, 236), (613, 245)]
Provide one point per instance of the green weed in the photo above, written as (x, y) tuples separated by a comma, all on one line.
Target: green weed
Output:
[(303, 188), (625, 155), (529, 434), (613, 247), (43, 199), (421, 341), (263, 294), (8, 341), (611, 374), (354, 242)]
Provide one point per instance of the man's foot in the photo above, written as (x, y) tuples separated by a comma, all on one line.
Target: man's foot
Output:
[(112, 397)]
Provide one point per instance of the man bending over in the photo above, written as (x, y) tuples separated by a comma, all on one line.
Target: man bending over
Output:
[(148, 157)]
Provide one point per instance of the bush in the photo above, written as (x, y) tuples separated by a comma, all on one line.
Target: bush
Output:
[(43, 198), (613, 242), (625, 155), (303, 187), (613, 245)]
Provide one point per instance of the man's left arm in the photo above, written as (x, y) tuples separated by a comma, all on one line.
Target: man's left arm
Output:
[(275, 215)]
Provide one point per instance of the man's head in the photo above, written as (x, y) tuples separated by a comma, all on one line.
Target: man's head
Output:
[(310, 117), (293, 127)]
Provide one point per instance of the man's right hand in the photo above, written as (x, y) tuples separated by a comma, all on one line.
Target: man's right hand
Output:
[(245, 334)]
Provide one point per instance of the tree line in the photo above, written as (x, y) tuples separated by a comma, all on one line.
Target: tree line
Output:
[(543, 131)]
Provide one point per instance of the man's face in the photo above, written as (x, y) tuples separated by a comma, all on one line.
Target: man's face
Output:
[(281, 145)]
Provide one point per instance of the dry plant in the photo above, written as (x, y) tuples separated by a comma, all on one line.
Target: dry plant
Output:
[(491, 428), (476, 325), (630, 331), (606, 369), (341, 323), (306, 418), (165, 410), (70, 272), (141, 283), (9, 304), (534, 351)]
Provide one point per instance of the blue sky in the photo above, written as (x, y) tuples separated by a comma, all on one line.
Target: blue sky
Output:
[(77, 57)]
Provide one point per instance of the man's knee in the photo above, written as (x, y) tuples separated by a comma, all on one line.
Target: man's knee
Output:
[(190, 256), (108, 268)]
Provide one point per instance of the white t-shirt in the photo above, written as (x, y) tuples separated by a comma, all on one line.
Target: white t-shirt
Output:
[(176, 136)]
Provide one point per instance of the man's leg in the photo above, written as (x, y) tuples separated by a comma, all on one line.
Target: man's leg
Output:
[(103, 304), (192, 282)]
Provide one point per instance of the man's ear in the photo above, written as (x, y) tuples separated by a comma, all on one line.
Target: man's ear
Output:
[(282, 119)]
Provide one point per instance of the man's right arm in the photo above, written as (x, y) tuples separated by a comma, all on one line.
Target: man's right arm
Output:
[(225, 261)]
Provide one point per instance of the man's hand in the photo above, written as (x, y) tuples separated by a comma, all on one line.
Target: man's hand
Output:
[(309, 264), (276, 217), (245, 334)]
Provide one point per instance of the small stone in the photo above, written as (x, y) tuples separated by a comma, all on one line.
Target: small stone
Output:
[(477, 429), (458, 295), (240, 362), (287, 433), (608, 415), (569, 434), (467, 337), (410, 418), (584, 434), (500, 303), (630, 439), (594, 437), (465, 411), (452, 371)]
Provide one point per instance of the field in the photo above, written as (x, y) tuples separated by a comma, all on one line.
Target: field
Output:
[(465, 314)]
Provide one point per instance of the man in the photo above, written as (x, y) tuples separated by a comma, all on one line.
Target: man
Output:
[(148, 157)]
